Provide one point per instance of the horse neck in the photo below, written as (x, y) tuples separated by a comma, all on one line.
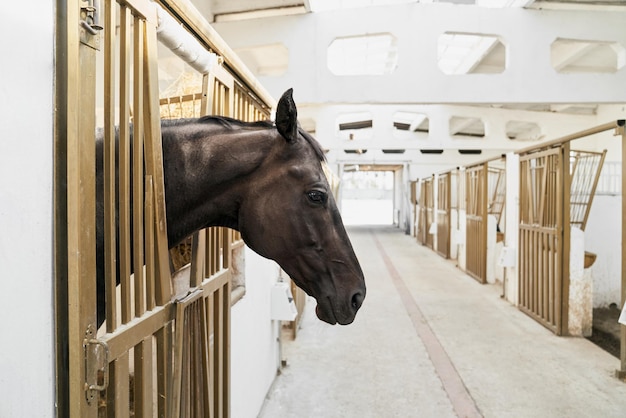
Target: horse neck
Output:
[(206, 177)]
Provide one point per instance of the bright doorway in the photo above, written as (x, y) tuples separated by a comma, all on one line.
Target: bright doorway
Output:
[(367, 194)]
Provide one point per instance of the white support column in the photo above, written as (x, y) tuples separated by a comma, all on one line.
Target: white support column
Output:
[(511, 240)]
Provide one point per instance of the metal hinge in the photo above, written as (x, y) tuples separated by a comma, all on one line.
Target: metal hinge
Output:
[(96, 365)]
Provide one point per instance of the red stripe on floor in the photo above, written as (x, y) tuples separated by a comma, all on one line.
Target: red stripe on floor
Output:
[(461, 400)]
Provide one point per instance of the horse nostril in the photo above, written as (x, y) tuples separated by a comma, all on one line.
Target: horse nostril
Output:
[(357, 300)]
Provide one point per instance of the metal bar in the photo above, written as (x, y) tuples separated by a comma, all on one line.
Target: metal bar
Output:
[(138, 177), (594, 187), (118, 401), (124, 164), (143, 389), (218, 338), (210, 307), (75, 189), (179, 345), (484, 174), (66, 102), (109, 165), (226, 248), (142, 8), (206, 393), (154, 163), (198, 256), (150, 245), (563, 222), (163, 360), (567, 138), (126, 338)]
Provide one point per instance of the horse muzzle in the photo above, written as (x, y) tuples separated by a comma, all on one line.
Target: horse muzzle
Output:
[(342, 313)]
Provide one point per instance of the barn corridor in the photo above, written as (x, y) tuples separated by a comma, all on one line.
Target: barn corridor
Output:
[(430, 341)]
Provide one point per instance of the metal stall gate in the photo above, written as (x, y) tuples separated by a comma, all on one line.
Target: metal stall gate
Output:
[(544, 236), (476, 179), (497, 194), (159, 356), (426, 216), (556, 191), (444, 196), (586, 167), (414, 186)]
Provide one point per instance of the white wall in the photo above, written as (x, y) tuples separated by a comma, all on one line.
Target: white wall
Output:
[(26, 138), (255, 355), (511, 238), (603, 237)]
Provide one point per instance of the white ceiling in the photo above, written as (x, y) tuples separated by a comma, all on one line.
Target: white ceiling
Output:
[(458, 53)]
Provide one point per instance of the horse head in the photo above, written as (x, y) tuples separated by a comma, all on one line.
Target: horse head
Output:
[(291, 216)]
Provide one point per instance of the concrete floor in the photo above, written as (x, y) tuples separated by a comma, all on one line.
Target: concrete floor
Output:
[(430, 341)]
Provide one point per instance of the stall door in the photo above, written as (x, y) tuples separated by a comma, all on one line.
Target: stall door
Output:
[(476, 217), (443, 214), (544, 237)]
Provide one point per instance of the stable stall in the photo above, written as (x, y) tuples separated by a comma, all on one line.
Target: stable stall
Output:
[(166, 346), (485, 190)]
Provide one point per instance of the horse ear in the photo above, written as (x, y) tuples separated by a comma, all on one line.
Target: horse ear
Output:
[(287, 117)]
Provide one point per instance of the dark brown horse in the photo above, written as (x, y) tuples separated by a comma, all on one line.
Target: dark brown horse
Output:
[(266, 181)]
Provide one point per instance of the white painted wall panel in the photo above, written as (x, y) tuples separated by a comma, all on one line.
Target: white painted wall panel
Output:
[(26, 219)]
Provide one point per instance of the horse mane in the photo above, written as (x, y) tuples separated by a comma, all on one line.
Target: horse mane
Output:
[(232, 124)]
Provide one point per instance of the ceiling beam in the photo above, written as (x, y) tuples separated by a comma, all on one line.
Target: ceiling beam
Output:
[(528, 34)]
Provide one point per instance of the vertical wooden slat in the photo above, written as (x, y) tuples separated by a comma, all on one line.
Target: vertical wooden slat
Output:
[(563, 182), (154, 162), (124, 163), (226, 347), (179, 346), (198, 256), (75, 206), (164, 372), (138, 177), (210, 306), (118, 401), (143, 385), (218, 336), (109, 164), (150, 245)]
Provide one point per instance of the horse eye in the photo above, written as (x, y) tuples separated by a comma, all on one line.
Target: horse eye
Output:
[(317, 197)]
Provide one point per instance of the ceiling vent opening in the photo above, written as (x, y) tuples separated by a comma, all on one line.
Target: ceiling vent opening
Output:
[(431, 151), (523, 131), (461, 126), (586, 56), (470, 151), (372, 54), (355, 126), (394, 151), (410, 122), (360, 124), (470, 53)]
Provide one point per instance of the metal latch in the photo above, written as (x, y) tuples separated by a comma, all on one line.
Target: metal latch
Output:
[(96, 366), (90, 17)]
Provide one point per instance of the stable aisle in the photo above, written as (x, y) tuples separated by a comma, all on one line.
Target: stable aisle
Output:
[(430, 341)]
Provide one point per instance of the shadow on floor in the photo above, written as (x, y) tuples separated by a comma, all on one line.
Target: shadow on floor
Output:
[(606, 329)]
